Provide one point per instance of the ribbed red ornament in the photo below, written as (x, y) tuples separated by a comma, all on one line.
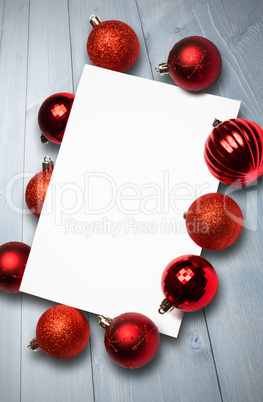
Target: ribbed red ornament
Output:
[(53, 116), (194, 63), (189, 283), (234, 152), (13, 259), (62, 332), (112, 45), (132, 340), (214, 221), (37, 188)]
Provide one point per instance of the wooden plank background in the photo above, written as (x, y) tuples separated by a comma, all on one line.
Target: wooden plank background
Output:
[(219, 352)]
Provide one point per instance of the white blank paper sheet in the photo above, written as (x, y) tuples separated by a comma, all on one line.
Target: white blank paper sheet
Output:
[(130, 164)]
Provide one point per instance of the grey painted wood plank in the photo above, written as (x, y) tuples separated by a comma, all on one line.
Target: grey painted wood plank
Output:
[(47, 379), (2, 7), (183, 369), (13, 63), (227, 25), (49, 72), (234, 319), (189, 357)]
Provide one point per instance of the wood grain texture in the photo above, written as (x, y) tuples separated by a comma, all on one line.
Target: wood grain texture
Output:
[(181, 371), (49, 72), (219, 352), (13, 64), (234, 319)]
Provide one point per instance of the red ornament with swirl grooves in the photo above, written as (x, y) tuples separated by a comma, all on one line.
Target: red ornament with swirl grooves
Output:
[(131, 339), (234, 151), (194, 63), (189, 283), (112, 44)]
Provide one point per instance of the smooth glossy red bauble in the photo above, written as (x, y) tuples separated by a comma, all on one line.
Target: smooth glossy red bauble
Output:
[(13, 259), (189, 283), (37, 188), (132, 340), (214, 221), (234, 152), (62, 332), (112, 45), (53, 116)]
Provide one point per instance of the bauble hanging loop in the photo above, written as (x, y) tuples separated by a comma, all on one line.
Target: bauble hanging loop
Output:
[(131, 339), (94, 20), (165, 307), (189, 283), (162, 69), (112, 44), (33, 345), (104, 322), (48, 164), (194, 63), (234, 152)]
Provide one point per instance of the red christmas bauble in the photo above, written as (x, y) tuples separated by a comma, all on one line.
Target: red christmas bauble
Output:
[(112, 45), (37, 188), (53, 116), (214, 221), (62, 332), (194, 63), (189, 283), (234, 151), (132, 340), (13, 259)]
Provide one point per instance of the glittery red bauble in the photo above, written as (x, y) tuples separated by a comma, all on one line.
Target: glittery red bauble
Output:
[(189, 283), (37, 188), (36, 192), (113, 45), (53, 116), (194, 63), (234, 152), (62, 332), (132, 340), (13, 259), (214, 221)]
